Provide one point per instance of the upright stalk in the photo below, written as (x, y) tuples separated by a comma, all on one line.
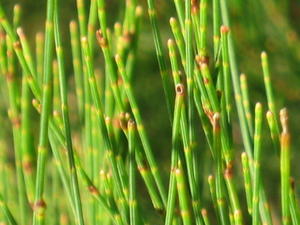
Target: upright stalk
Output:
[(65, 115), (285, 167), (39, 203)]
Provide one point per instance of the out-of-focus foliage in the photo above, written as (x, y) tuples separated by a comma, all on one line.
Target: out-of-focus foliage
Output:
[(270, 25)]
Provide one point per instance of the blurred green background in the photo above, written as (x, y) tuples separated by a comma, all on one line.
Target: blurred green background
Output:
[(270, 25)]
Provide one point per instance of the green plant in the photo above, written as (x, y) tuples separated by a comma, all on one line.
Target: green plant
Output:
[(104, 139)]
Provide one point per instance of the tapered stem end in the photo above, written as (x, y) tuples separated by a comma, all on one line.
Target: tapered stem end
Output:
[(284, 120)]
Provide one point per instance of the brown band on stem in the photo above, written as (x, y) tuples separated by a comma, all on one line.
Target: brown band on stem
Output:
[(228, 171), (101, 40), (116, 122), (17, 45), (40, 204), (28, 167), (2, 35), (195, 6), (93, 190), (224, 29), (120, 81), (202, 59), (127, 37), (10, 76), (143, 168), (16, 122)]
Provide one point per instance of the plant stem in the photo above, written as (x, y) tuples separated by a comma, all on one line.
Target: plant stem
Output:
[(285, 166), (160, 56), (256, 163), (39, 204), (65, 115)]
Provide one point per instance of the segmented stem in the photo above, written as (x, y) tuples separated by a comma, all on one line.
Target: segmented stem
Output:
[(285, 166)]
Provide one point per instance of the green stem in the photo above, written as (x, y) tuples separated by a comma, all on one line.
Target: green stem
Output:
[(65, 115), (141, 129), (160, 56), (10, 218), (39, 204), (256, 164), (285, 167), (175, 154), (132, 173)]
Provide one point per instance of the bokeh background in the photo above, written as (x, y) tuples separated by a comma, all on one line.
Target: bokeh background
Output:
[(269, 25)]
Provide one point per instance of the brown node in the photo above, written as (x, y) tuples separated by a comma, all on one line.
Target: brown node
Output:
[(120, 81), (2, 35), (40, 204), (195, 6), (143, 167), (116, 122), (224, 29), (194, 2), (206, 80), (27, 165), (9, 76), (202, 59), (63, 219), (229, 171), (17, 45), (180, 89), (93, 190), (209, 114), (101, 39), (16, 121), (127, 37)]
